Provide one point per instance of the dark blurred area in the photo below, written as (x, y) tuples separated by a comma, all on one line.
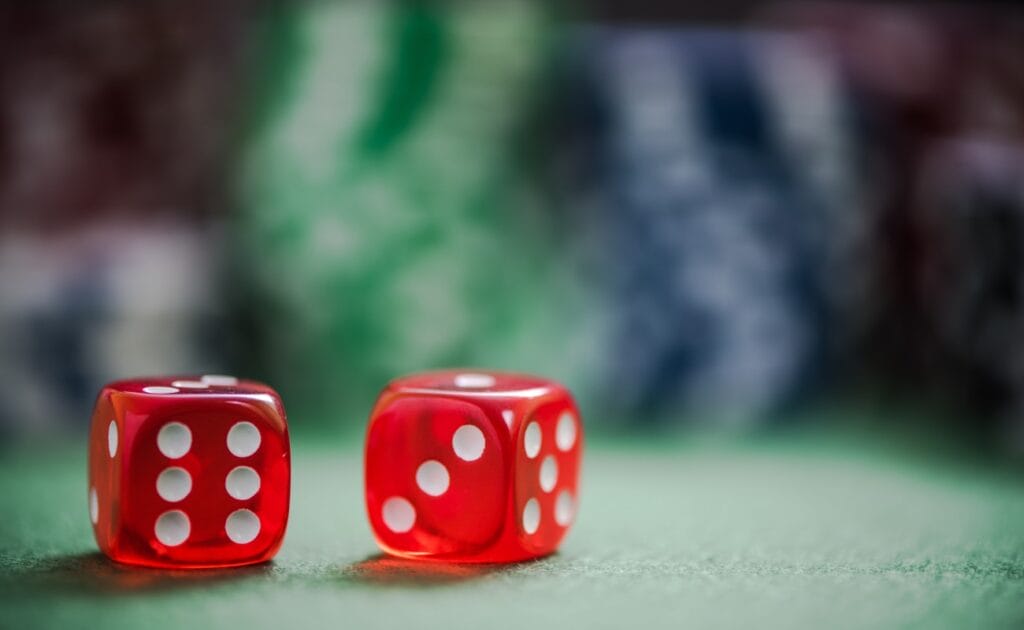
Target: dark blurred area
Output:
[(695, 217)]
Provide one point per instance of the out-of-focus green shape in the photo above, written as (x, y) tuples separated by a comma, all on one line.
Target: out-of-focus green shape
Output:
[(388, 224), (420, 53)]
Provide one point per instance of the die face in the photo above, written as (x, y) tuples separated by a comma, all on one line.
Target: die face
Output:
[(421, 412), (161, 389), (202, 474), (436, 477), (547, 464), (478, 386), (105, 456)]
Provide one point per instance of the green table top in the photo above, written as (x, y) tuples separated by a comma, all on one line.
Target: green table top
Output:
[(779, 534)]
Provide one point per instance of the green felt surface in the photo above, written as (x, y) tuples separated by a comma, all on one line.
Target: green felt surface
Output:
[(786, 534)]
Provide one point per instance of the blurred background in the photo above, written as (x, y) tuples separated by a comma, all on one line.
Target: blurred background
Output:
[(736, 217)]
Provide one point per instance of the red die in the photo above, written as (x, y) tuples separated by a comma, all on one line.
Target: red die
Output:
[(189, 472), (472, 467)]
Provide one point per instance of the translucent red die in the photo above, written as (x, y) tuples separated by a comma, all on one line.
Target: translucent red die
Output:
[(472, 466), (189, 472)]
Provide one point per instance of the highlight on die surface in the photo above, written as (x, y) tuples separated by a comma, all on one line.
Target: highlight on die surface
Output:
[(189, 472), (472, 466)]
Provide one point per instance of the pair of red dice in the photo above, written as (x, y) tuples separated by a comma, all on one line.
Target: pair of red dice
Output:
[(459, 466)]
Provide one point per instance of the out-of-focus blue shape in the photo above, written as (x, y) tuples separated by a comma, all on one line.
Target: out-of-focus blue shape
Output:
[(717, 244)]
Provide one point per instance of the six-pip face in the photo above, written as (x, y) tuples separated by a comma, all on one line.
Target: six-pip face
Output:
[(189, 472)]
